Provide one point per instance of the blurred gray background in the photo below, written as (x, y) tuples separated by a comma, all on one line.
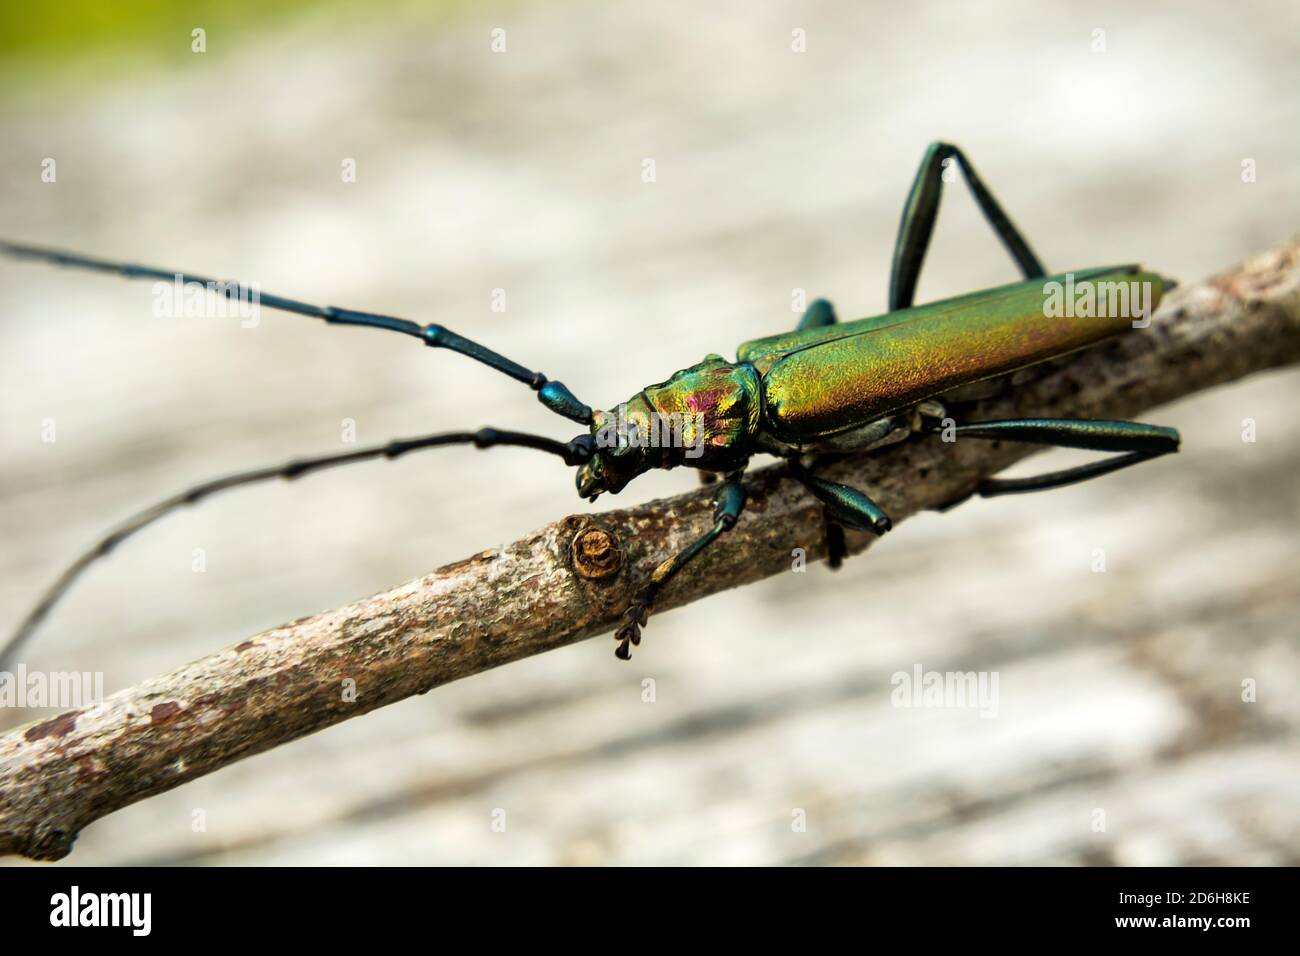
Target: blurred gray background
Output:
[(1119, 691)]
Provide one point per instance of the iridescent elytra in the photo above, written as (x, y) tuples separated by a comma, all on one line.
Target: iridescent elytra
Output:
[(824, 389)]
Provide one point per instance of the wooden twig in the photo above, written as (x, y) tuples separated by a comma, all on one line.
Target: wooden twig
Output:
[(573, 578)]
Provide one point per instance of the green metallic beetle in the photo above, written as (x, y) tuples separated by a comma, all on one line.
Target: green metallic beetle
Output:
[(824, 389)]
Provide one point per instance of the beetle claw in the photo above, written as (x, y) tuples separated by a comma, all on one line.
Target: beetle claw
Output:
[(629, 633)]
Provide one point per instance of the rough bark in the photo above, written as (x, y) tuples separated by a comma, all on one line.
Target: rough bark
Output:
[(573, 578)]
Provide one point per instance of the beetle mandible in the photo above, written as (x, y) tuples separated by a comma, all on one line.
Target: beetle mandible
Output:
[(823, 389)]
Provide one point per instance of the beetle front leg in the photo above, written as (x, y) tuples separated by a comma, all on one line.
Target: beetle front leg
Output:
[(728, 503)]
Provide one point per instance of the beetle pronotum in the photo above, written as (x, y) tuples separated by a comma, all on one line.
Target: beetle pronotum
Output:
[(826, 388)]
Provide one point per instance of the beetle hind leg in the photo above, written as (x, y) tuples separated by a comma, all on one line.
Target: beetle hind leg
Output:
[(1136, 443), (919, 214)]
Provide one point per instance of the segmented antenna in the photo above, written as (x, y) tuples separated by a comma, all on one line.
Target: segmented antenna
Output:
[(554, 395), (573, 452)]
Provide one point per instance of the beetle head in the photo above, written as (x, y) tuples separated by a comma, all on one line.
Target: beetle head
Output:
[(706, 416), (622, 450)]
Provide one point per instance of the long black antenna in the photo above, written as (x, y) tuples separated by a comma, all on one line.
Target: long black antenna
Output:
[(573, 452), (553, 395)]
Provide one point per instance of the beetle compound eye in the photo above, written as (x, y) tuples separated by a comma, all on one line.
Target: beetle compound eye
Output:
[(588, 480)]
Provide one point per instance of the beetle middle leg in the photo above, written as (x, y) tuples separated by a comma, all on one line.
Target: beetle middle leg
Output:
[(864, 514), (817, 315), (728, 503), (844, 506), (837, 548)]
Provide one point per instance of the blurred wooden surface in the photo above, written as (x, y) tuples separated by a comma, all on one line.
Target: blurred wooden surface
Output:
[(1120, 691)]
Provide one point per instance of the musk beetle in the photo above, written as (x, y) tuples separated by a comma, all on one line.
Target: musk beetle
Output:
[(826, 388)]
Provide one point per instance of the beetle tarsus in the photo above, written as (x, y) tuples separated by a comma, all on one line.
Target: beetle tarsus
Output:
[(836, 547), (630, 633)]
